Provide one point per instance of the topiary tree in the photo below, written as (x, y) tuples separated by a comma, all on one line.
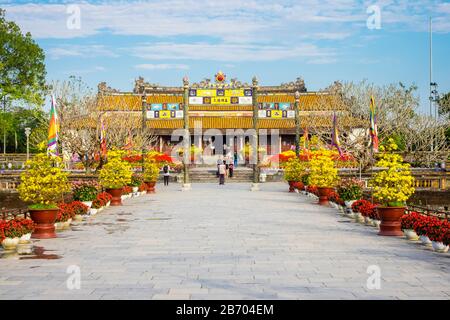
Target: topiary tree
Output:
[(43, 183), (323, 172), (392, 186)]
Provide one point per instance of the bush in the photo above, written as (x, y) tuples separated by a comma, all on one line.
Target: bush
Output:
[(85, 190), (366, 208), (323, 173), (104, 198), (408, 220), (43, 183), (294, 170), (394, 185), (116, 173), (420, 225), (136, 180), (79, 208), (350, 189), (436, 229), (151, 170)]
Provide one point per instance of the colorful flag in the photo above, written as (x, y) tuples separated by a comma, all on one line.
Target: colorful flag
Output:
[(52, 145), (335, 136), (373, 125), (103, 150)]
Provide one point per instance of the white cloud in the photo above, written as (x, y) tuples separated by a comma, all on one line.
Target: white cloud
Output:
[(225, 52), (161, 66), (82, 51)]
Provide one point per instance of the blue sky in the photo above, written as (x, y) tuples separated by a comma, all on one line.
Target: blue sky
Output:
[(278, 41)]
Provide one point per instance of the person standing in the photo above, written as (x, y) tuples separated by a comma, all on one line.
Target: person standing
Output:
[(222, 172), (166, 174), (235, 157), (231, 169), (219, 162)]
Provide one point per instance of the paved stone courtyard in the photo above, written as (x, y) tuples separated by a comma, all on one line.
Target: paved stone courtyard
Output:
[(224, 242)]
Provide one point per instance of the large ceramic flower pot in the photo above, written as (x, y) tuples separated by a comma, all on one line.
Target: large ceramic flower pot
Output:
[(391, 224), (299, 185), (150, 187), (324, 194), (116, 196), (291, 186), (45, 223)]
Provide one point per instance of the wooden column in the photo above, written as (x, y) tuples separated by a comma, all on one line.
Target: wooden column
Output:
[(297, 123), (256, 129), (186, 136)]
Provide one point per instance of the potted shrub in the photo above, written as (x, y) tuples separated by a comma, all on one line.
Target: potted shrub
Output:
[(96, 206), (350, 190), (420, 227), (151, 174), (436, 230), (323, 173), (79, 209), (294, 170), (127, 191), (43, 184), (114, 175), (27, 229), (63, 216), (392, 186), (105, 199), (10, 233), (85, 191), (408, 221), (136, 181)]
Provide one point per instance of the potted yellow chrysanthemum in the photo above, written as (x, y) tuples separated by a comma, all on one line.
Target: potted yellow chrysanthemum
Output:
[(114, 175), (151, 174), (392, 187), (43, 184), (323, 173), (294, 170)]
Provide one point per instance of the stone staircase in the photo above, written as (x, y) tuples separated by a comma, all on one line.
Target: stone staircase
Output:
[(204, 175)]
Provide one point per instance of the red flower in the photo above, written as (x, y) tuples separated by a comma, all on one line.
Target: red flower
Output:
[(436, 229), (79, 208), (366, 208), (408, 220)]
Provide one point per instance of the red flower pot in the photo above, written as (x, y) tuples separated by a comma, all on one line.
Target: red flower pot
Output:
[(324, 194), (150, 187), (116, 196), (299, 185), (45, 223), (291, 186), (391, 221)]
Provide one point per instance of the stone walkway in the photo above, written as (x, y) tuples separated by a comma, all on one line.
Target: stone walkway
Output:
[(224, 242)]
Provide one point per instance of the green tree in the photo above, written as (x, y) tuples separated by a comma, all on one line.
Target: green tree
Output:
[(444, 105), (22, 73)]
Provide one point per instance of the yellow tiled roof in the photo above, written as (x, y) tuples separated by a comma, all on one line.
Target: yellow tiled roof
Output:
[(164, 99), (120, 103)]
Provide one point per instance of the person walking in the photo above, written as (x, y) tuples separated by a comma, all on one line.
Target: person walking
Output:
[(222, 172), (231, 169), (166, 174)]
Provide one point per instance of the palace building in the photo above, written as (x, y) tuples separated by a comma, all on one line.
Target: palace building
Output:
[(221, 104)]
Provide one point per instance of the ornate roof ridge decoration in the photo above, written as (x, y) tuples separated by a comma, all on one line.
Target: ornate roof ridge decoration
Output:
[(206, 83), (104, 88), (298, 84), (140, 85)]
